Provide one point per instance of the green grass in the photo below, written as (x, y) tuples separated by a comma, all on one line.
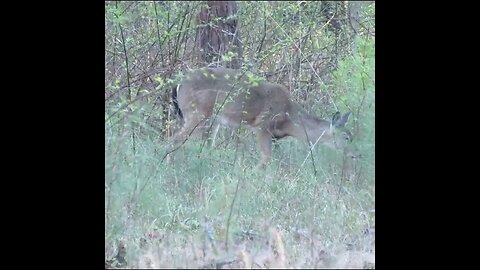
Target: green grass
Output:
[(189, 203)]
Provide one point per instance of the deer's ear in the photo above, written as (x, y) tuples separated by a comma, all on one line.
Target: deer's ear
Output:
[(336, 118), (340, 121), (345, 118)]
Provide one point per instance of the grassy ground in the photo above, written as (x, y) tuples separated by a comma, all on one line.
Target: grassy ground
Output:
[(213, 208)]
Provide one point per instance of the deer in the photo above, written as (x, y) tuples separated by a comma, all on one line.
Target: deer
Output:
[(235, 98)]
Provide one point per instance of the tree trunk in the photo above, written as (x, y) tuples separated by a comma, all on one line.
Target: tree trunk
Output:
[(217, 36)]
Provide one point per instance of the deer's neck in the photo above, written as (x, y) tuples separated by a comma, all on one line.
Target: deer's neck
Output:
[(309, 128)]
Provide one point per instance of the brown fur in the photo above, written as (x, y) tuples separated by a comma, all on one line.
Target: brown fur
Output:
[(234, 99)]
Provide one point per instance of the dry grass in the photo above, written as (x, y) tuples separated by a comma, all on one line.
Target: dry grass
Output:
[(275, 248)]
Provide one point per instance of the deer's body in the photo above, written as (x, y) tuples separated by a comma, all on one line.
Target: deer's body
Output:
[(233, 98)]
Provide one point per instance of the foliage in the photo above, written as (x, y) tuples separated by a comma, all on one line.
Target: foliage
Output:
[(214, 195)]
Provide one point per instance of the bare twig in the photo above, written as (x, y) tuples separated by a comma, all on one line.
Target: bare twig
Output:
[(158, 32), (310, 146), (231, 209), (301, 53), (176, 148)]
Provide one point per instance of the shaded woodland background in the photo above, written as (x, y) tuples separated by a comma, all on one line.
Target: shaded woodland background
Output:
[(297, 44)]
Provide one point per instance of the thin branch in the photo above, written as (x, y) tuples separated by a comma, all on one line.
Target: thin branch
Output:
[(231, 210), (158, 31), (177, 47), (128, 104), (310, 147), (264, 32), (184, 141), (301, 53), (125, 53)]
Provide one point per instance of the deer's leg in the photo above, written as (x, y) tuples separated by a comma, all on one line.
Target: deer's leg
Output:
[(191, 124), (264, 140)]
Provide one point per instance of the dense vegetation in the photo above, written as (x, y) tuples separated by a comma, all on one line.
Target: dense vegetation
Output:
[(213, 207)]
